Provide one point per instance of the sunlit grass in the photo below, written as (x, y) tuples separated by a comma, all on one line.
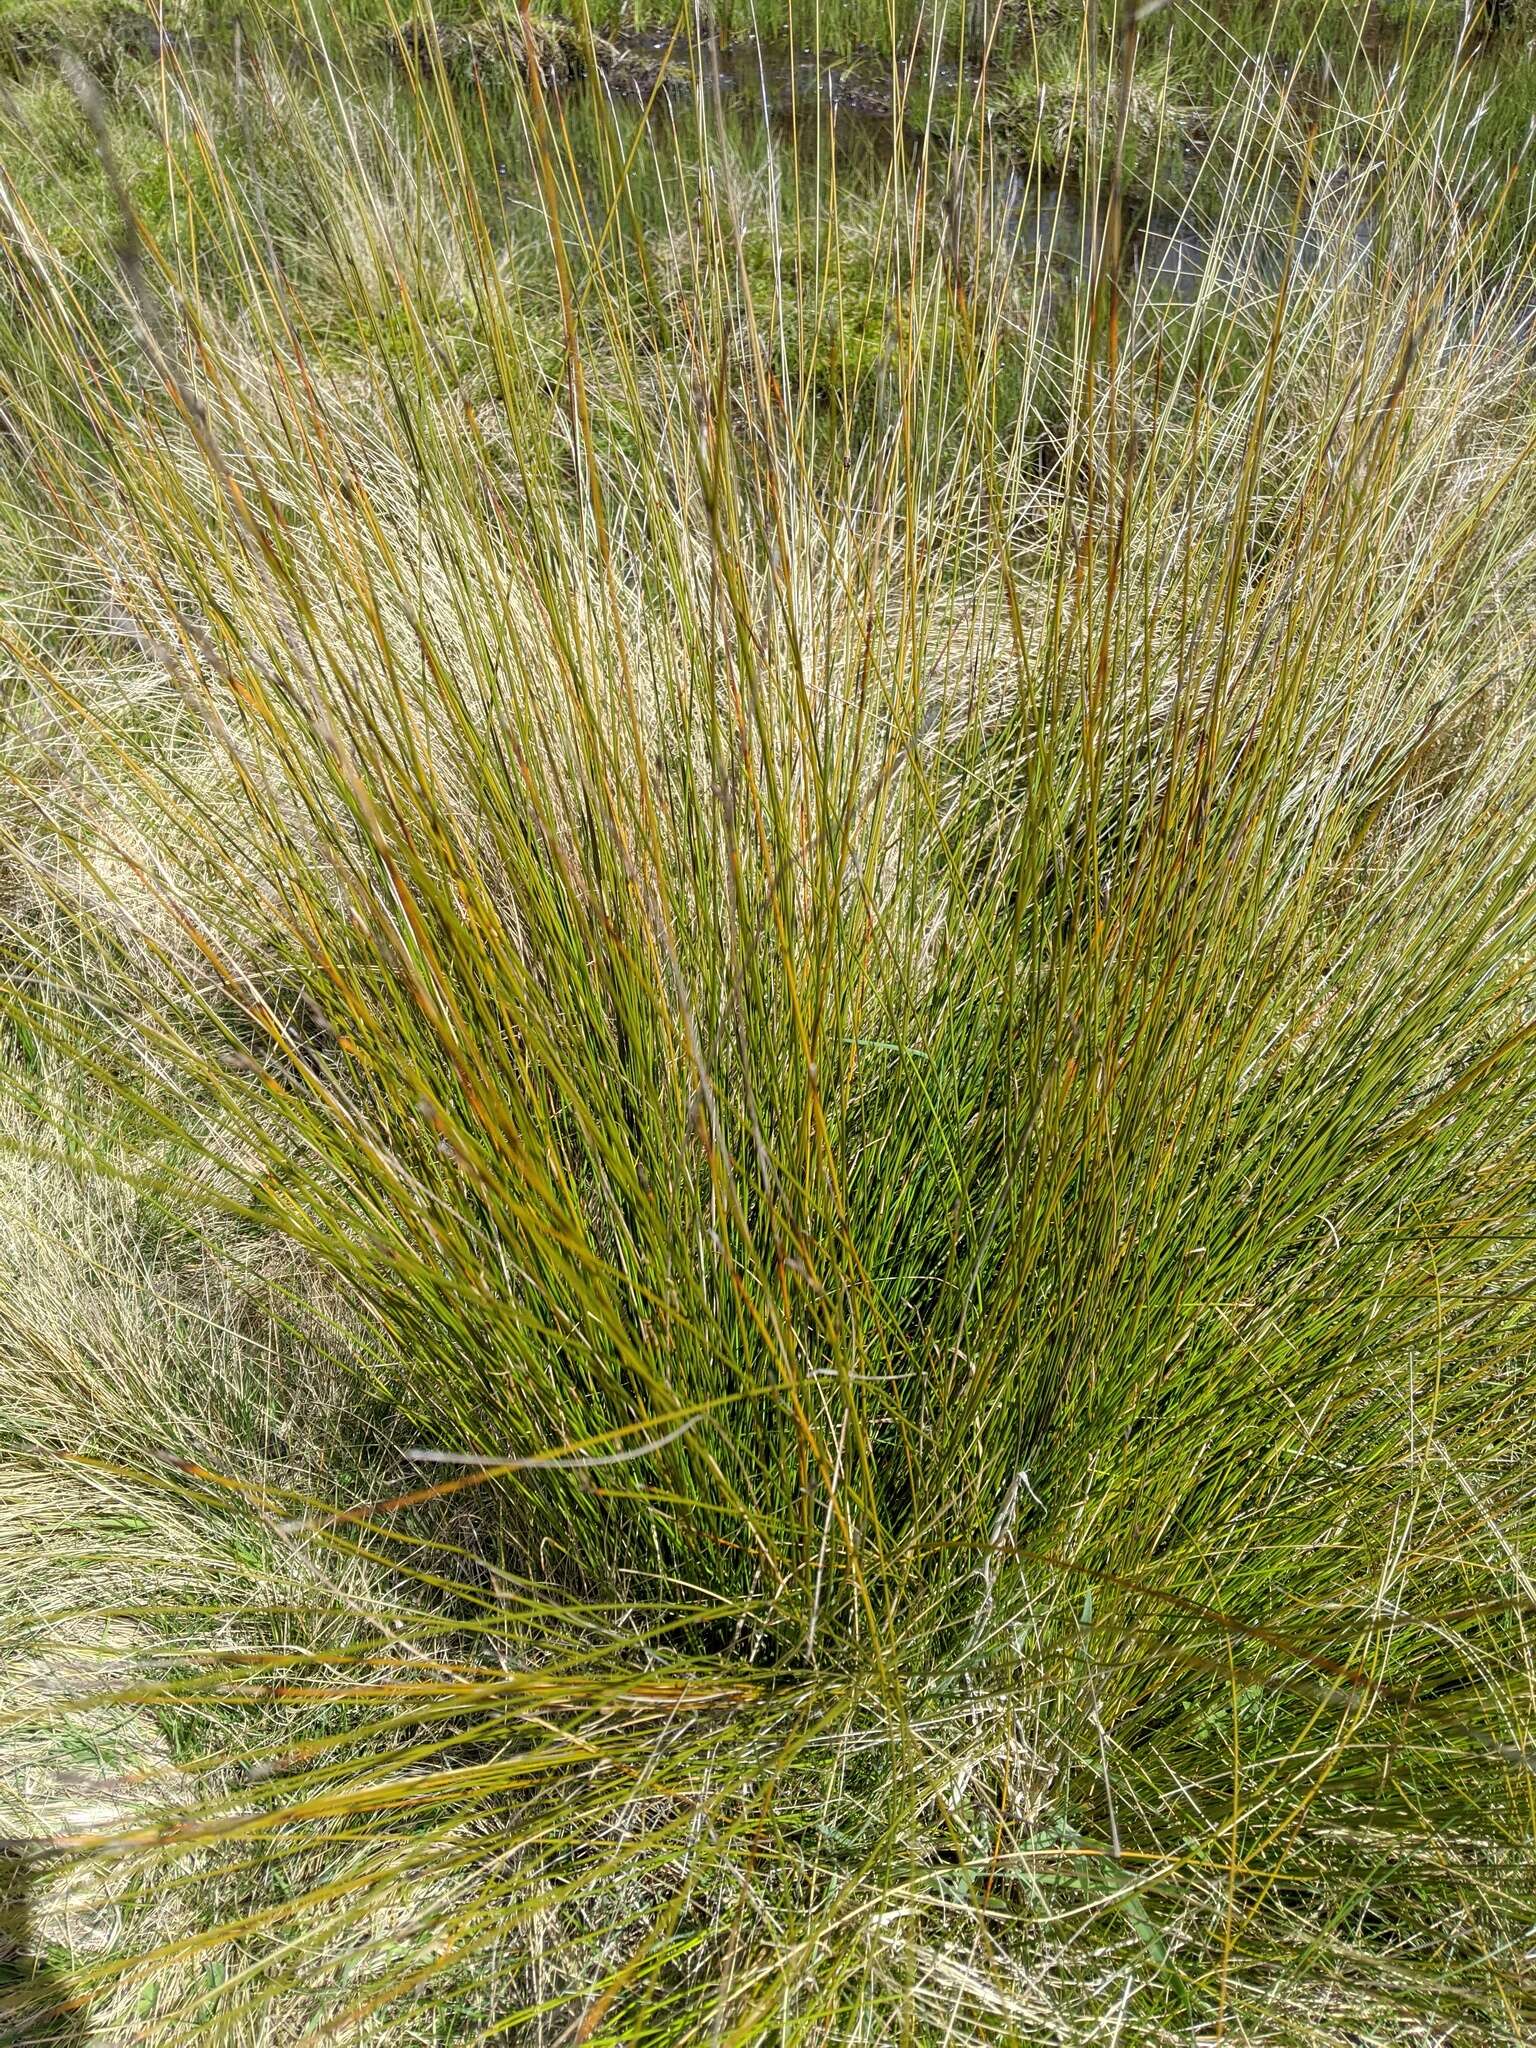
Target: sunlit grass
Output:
[(768, 1060)]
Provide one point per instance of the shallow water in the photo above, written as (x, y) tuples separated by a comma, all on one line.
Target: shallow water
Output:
[(836, 129)]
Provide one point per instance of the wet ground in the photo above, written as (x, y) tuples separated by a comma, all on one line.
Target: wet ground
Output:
[(790, 112)]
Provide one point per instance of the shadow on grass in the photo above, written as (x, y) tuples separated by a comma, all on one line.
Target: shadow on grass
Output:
[(35, 2000)]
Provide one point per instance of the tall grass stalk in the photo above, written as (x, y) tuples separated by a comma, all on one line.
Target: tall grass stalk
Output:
[(841, 981)]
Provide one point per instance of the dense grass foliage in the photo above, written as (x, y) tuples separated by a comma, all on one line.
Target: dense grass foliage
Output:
[(768, 1082)]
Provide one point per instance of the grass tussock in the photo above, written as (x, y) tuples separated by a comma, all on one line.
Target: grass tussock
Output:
[(767, 1237)]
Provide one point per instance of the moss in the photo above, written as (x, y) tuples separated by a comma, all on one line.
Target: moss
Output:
[(437, 336)]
